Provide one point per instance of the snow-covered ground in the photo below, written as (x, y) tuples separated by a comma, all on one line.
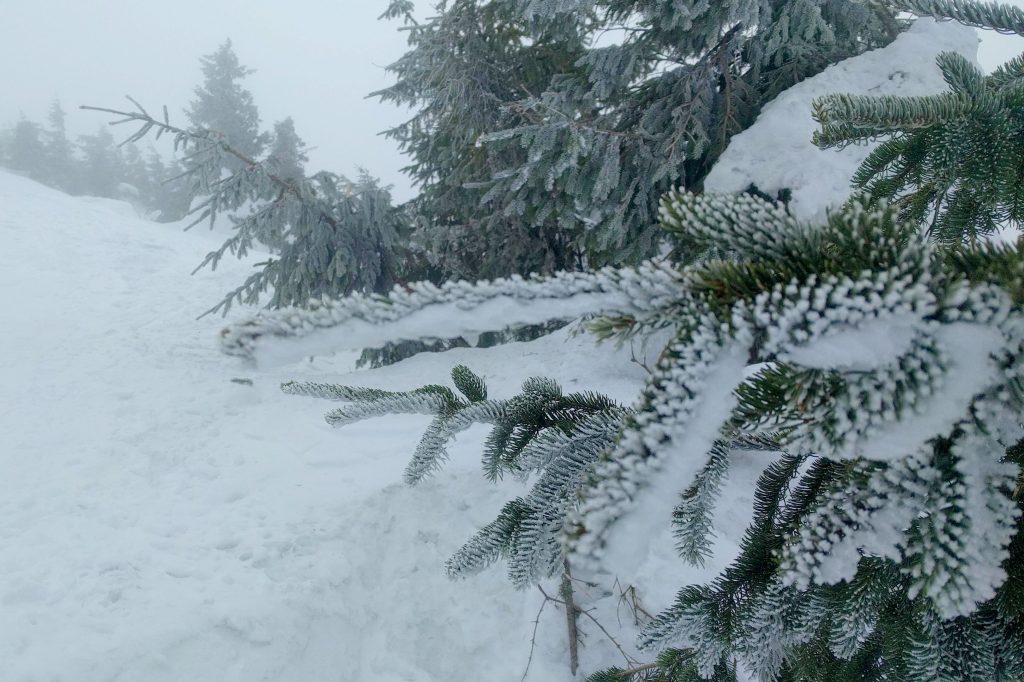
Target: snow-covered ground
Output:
[(160, 522)]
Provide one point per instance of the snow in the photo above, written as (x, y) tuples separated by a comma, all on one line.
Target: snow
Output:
[(645, 527), (776, 152), (162, 522), (970, 351), (863, 347), (497, 313), (416, 311)]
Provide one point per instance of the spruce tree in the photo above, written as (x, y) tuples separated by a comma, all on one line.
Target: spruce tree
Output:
[(287, 151), (465, 67), (102, 167), (882, 545), (331, 235), (26, 151), (60, 153), (136, 173), (950, 161), (538, 148), (886, 397), (169, 190), (221, 104)]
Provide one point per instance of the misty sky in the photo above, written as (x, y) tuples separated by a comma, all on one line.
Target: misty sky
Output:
[(315, 60)]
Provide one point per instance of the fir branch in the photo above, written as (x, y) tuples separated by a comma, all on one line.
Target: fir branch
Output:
[(999, 17), (197, 139), (370, 320)]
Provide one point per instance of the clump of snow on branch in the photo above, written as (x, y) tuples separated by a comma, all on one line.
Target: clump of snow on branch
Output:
[(878, 404), (462, 308), (776, 153)]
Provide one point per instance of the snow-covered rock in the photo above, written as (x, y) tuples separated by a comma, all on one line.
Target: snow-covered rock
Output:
[(776, 152)]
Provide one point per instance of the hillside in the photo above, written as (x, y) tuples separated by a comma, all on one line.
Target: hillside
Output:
[(163, 523)]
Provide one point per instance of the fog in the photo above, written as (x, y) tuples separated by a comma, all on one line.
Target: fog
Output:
[(315, 60)]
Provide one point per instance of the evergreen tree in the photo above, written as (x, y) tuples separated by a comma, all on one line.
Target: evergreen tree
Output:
[(135, 173), (169, 190), (221, 104), (465, 68), (888, 396), (951, 161), (60, 153), (96, 165), (5, 142), (882, 544), (332, 235), (25, 150), (539, 149), (102, 168), (288, 151)]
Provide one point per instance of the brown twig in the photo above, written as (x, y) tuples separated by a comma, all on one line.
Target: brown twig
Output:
[(629, 659), (628, 595), (533, 638), (638, 669), (570, 619), (635, 360)]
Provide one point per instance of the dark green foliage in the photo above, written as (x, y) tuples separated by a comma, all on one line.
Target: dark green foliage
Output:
[(916, 524), (997, 16), (884, 536), (673, 665), (397, 351), (335, 236), (541, 432), (465, 65), (952, 161), (539, 149), (529, 332), (469, 384), (866, 629)]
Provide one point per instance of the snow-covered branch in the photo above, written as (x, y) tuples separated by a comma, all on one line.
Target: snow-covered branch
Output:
[(424, 310)]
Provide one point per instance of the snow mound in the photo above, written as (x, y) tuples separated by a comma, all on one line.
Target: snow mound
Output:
[(163, 522), (776, 152)]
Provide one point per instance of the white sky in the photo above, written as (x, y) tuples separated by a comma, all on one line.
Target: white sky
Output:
[(315, 60)]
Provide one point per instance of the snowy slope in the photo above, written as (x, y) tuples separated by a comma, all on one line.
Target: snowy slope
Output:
[(776, 152), (161, 523)]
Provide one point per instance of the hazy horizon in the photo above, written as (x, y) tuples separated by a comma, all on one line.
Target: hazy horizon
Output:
[(316, 61)]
